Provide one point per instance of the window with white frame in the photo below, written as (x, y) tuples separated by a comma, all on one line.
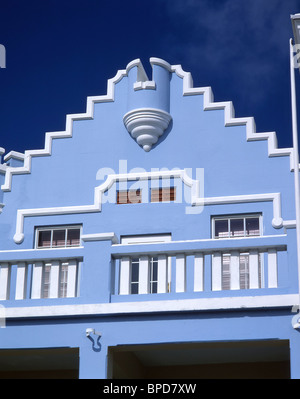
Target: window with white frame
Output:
[(134, 276), (145, 274), (57, 237), (236, 226), (152, 275)]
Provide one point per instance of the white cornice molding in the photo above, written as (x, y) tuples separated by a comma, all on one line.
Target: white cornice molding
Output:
[(187, 305), (100, 237), (14, 154), (188, 90)]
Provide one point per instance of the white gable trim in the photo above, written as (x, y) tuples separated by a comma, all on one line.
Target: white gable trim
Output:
[(229, 114), (188, 90)]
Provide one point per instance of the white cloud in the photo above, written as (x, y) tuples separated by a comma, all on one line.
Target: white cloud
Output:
[(242, 37)]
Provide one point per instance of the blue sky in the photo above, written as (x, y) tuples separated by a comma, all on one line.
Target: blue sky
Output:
[(60, 52)]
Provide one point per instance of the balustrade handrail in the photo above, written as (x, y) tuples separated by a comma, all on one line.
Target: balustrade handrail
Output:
[(207, 246), (43, 255)]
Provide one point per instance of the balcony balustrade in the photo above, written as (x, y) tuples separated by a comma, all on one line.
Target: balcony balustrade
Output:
[(200, 266), (42, 279), (210, 269)]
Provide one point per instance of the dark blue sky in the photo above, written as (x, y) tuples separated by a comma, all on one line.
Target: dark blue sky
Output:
[(60, 52)]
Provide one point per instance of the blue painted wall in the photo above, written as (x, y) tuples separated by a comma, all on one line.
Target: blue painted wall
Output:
[(195, 139)]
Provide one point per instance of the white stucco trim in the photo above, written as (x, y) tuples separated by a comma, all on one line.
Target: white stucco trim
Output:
[(229, 113), (277, 221), (188, 89), (100, 237), (97, 205), (14, 154), (67, 133), (196, 199), (199, 304)]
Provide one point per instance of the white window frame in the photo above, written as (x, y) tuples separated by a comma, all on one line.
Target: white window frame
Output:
[(146, 239), (52, 229), (147, 265), (235, 216)]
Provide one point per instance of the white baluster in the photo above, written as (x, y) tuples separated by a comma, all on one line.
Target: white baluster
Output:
[(21, 280), (72, 279), (124, 276), (4, 280), (162, 274), (180, 273), (144, 275), (54, 279), (217, 271), (199, 272), (36, 285), (272, 269), (234, 270), (253, 269)]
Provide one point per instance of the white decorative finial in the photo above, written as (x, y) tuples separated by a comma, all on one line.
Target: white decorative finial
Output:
[(146, 125)]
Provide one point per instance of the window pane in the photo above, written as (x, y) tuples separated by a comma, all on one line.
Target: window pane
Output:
[(252, 227), (154, 287), (44, 240), (135, 270), (59, 238), (129, 197), (63, 280), (244, 271), (73, 237), (134, 196), (153, 275), (163, 194), (134, 288), (46, 281), (225, 272), (154, 269), (122, 197), (237, 227), (221, 228)]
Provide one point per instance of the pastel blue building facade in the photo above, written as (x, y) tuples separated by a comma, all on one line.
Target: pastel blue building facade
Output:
[(155, 236)]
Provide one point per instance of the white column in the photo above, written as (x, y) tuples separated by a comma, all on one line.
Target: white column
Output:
[(180, 273), (21, 280), (162, 274), (4, 280), (124, 276), (36, 286), (217, 271), (234, 270), (71, 282), (199, 272), (272, 269), (144, 275), (54, 279), (253, 269), (169, 273)]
